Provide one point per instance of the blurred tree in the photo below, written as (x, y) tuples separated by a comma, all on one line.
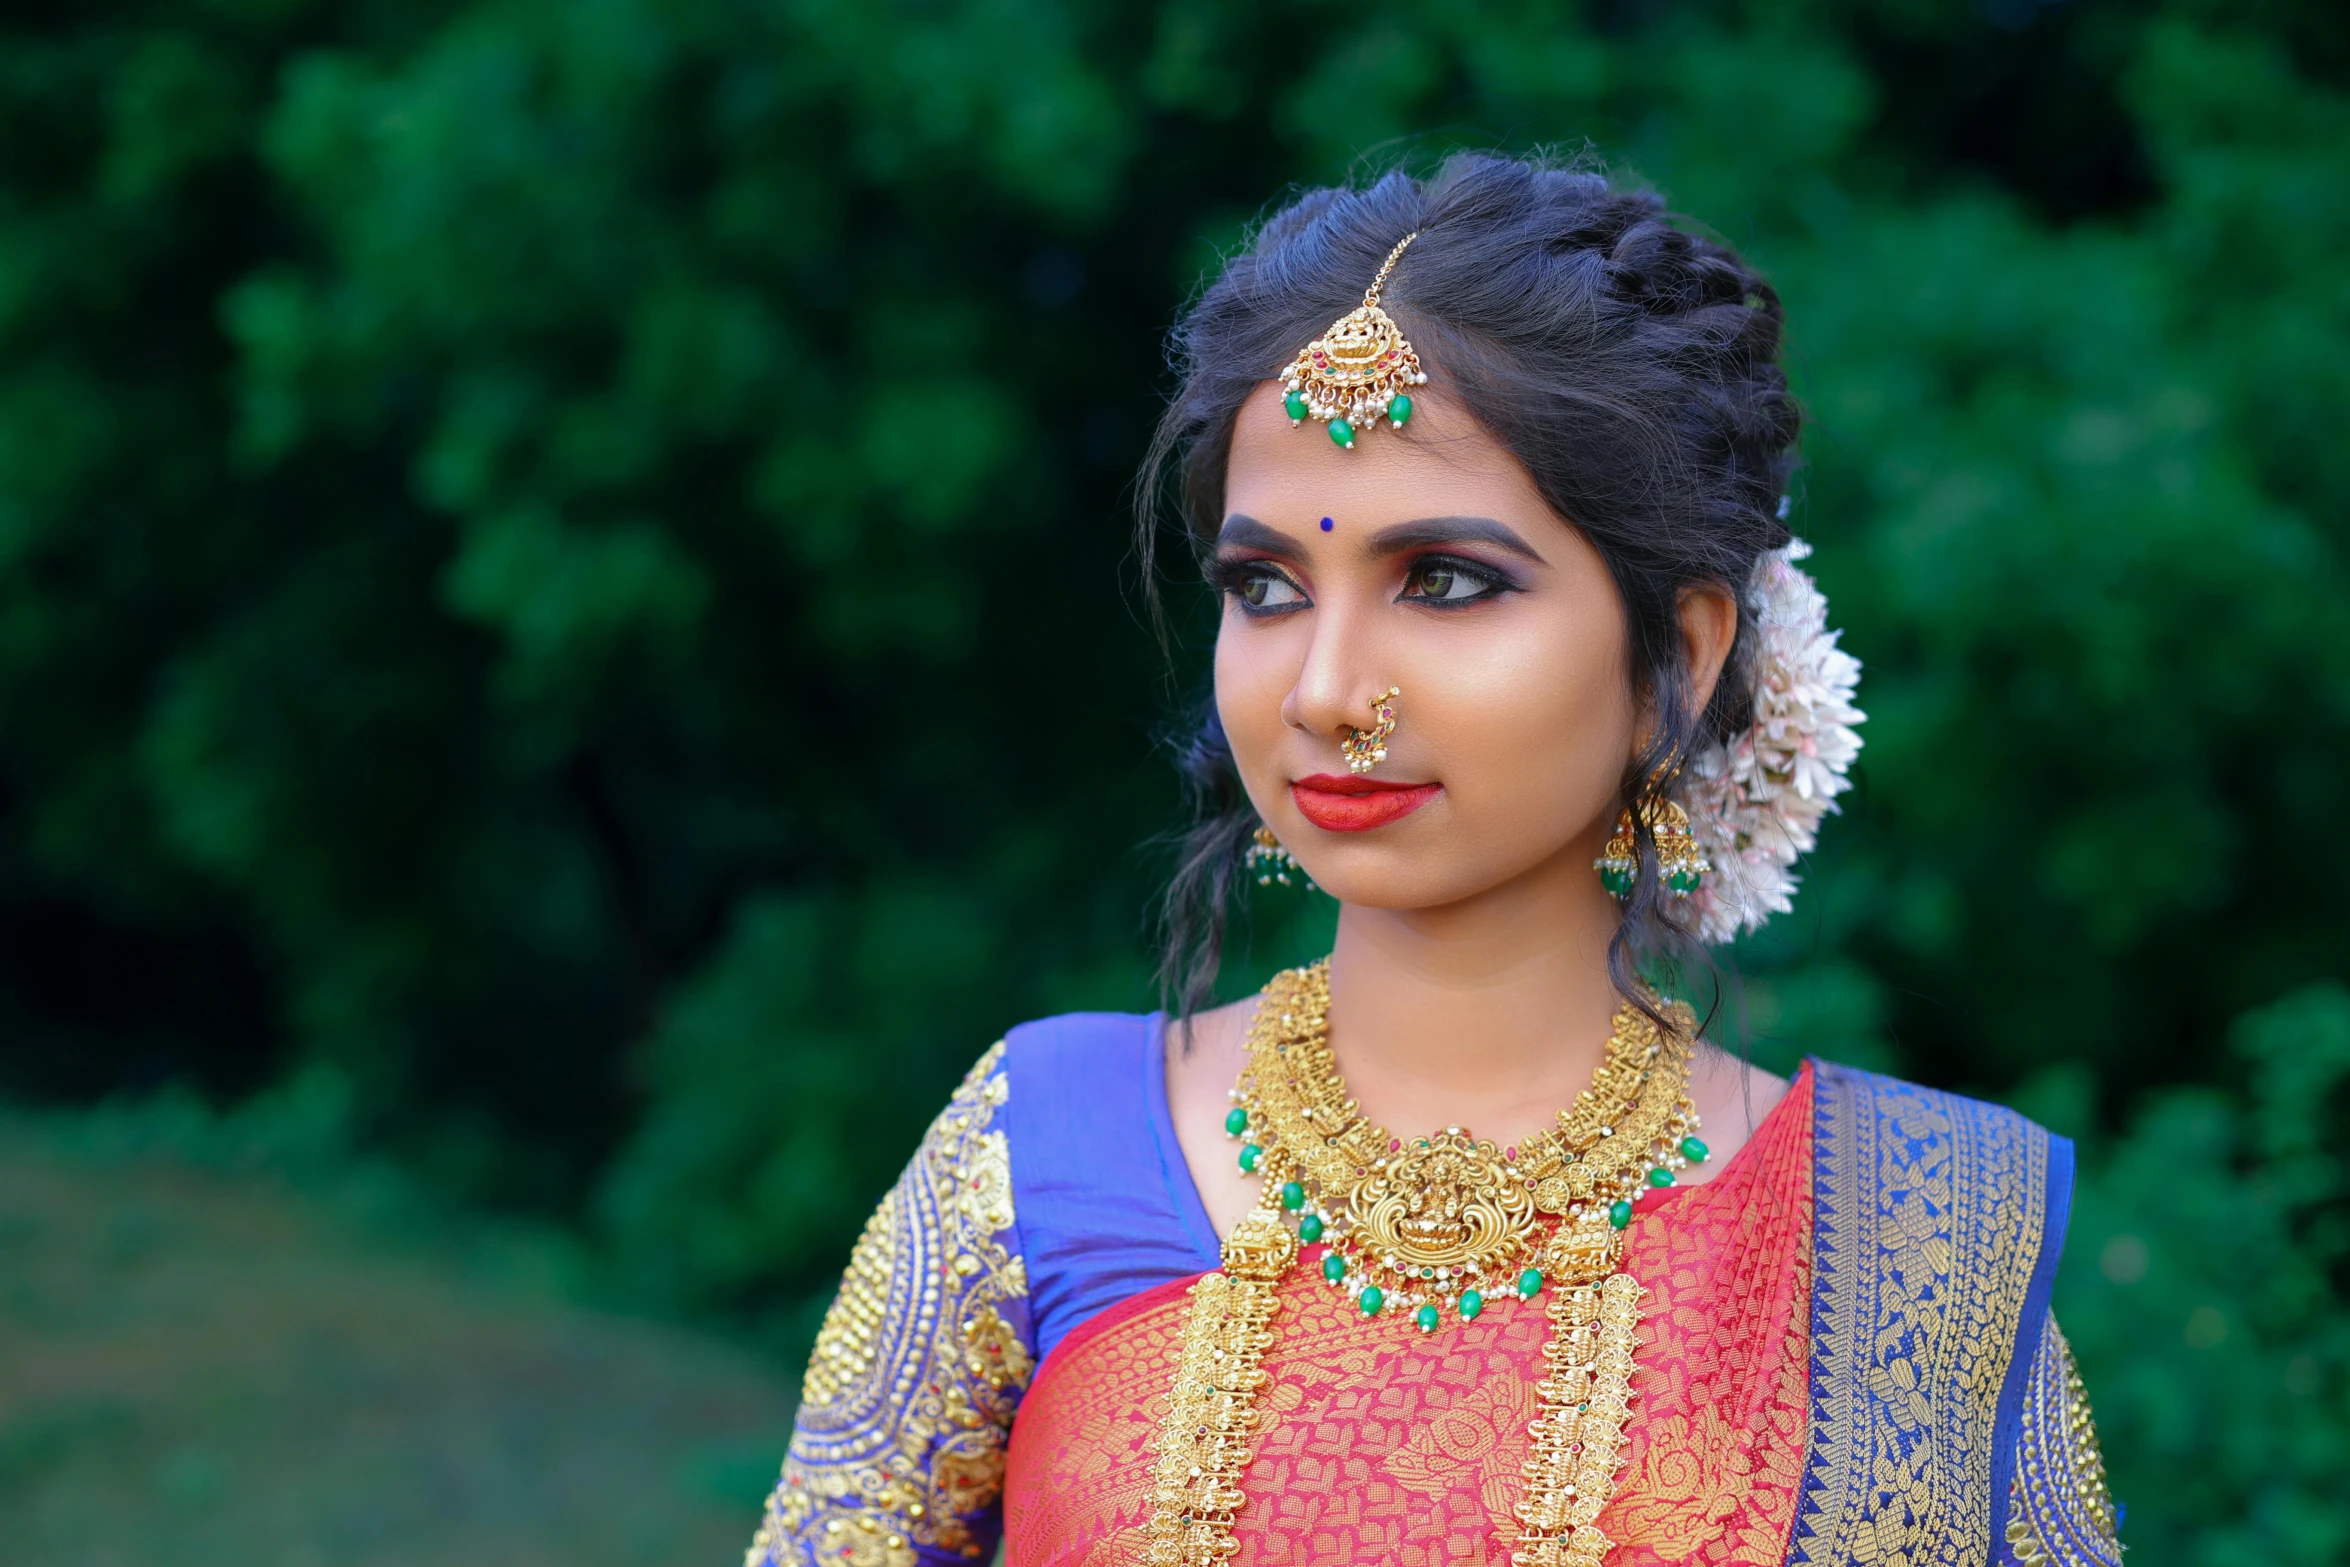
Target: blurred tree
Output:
[(562, 560), (2201, 1291)]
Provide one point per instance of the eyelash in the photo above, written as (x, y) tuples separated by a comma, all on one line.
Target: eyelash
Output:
[(1232, 578), (1490, 584)]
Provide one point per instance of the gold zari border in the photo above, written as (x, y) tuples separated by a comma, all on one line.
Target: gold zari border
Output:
[(2061, 1513), (901, 1438), (1929, 1214)]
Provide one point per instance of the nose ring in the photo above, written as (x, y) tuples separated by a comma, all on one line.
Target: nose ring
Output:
[(1365, 749)]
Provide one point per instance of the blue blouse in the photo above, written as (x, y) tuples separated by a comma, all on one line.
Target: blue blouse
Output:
[(1107, 1205)]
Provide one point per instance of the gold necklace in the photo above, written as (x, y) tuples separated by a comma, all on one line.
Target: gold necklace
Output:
[(1422, 1228)]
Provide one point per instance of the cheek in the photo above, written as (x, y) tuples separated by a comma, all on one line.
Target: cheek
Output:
[(1254, 672), (1541, 717)]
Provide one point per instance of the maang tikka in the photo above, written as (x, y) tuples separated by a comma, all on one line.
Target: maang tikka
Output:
[(1359, 370)]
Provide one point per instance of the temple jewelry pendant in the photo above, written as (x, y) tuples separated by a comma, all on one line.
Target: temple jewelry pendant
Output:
[(1357, 371)]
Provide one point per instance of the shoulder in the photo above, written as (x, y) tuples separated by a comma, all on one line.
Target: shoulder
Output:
[(1085, 1094), (1080, 1043), (1202, 1057), (1986, 1171), (1080, 1068), (1107, 1205), (1909, 1120)]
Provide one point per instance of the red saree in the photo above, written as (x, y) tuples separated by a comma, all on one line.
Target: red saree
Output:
[(1388, 1446)]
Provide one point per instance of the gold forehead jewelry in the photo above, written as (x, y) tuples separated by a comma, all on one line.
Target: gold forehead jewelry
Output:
[(1358, 370), (1365, 749)]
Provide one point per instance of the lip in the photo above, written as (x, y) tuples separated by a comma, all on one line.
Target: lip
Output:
[(1347, 803)]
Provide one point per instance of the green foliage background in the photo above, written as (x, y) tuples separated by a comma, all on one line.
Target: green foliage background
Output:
[(563, 565)]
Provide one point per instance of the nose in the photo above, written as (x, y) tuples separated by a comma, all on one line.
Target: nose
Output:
[(1338, 681)]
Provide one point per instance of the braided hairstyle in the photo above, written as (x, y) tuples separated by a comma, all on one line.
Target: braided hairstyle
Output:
[(1629, 363)]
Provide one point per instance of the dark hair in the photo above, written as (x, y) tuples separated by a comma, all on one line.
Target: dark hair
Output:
[(1627, 361)]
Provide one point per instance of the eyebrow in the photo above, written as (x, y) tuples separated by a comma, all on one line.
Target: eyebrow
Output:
[(1241, 531), (1426, 531)]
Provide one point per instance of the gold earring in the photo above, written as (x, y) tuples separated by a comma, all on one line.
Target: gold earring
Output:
[(1269, 860), (1680, 863), (1365, 749)]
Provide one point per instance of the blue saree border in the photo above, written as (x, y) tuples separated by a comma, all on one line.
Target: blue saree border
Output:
[(1937, 1224), (2007, 1435)]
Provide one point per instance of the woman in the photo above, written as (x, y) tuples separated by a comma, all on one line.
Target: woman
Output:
[(1515, 662)]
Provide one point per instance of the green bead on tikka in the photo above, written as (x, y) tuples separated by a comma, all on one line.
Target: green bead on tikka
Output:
[(1371, 1299), (1620, 1213), (1472, 1303), (1399, 410), (1334, 1267), (1295, 402), (1529, 1284), (1250, 1153), (1426, 1317), (1236, 1123), (1693, 1150), (1343, 433), (1293, 1195), (1660, 1176), (1309, 1228)]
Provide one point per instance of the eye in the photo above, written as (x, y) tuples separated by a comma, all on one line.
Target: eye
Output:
[(1440, 579), (1261, 587)]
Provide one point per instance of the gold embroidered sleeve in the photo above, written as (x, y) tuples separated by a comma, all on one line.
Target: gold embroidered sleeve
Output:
[(2060, 1513), (897, 1455)]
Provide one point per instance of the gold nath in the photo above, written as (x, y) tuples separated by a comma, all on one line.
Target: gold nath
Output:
[(1358, 371), (1365, 749), (1425, 1232)]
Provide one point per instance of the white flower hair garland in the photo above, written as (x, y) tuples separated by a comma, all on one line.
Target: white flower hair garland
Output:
[(1755, 804)]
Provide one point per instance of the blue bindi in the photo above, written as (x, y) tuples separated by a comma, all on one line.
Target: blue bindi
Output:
[(1327, 525)]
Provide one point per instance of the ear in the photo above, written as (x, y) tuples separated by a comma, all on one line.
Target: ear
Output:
[(1709, 625)]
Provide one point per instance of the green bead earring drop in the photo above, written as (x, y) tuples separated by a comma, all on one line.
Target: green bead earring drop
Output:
[(1680, 863)]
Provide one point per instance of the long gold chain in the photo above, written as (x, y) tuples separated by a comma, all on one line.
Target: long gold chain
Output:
[(1428, 1228)]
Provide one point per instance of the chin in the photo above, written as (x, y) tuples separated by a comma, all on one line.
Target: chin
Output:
[(1394, 880), (1438, 870)]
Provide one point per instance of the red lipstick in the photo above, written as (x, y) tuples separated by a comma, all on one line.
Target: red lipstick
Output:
[(1338, 802)]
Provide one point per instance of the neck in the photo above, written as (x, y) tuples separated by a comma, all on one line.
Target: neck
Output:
[(1489, 1014)]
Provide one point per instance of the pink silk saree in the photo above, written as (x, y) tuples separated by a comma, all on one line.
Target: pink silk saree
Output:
[(1389, 1446)]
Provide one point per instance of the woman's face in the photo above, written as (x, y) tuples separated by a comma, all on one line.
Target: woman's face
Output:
[(1422, 559)]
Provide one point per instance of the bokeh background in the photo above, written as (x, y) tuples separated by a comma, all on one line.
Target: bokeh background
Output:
[(568, 657)]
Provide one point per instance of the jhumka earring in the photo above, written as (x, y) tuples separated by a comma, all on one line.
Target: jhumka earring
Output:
[(1358, 370), (1365, 749), (1679, 860), (1269, 860)]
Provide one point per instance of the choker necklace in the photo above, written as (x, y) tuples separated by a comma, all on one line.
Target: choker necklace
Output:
[(1440, 1229)]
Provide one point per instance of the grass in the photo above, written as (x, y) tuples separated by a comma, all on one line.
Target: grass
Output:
[(202, 1363)]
